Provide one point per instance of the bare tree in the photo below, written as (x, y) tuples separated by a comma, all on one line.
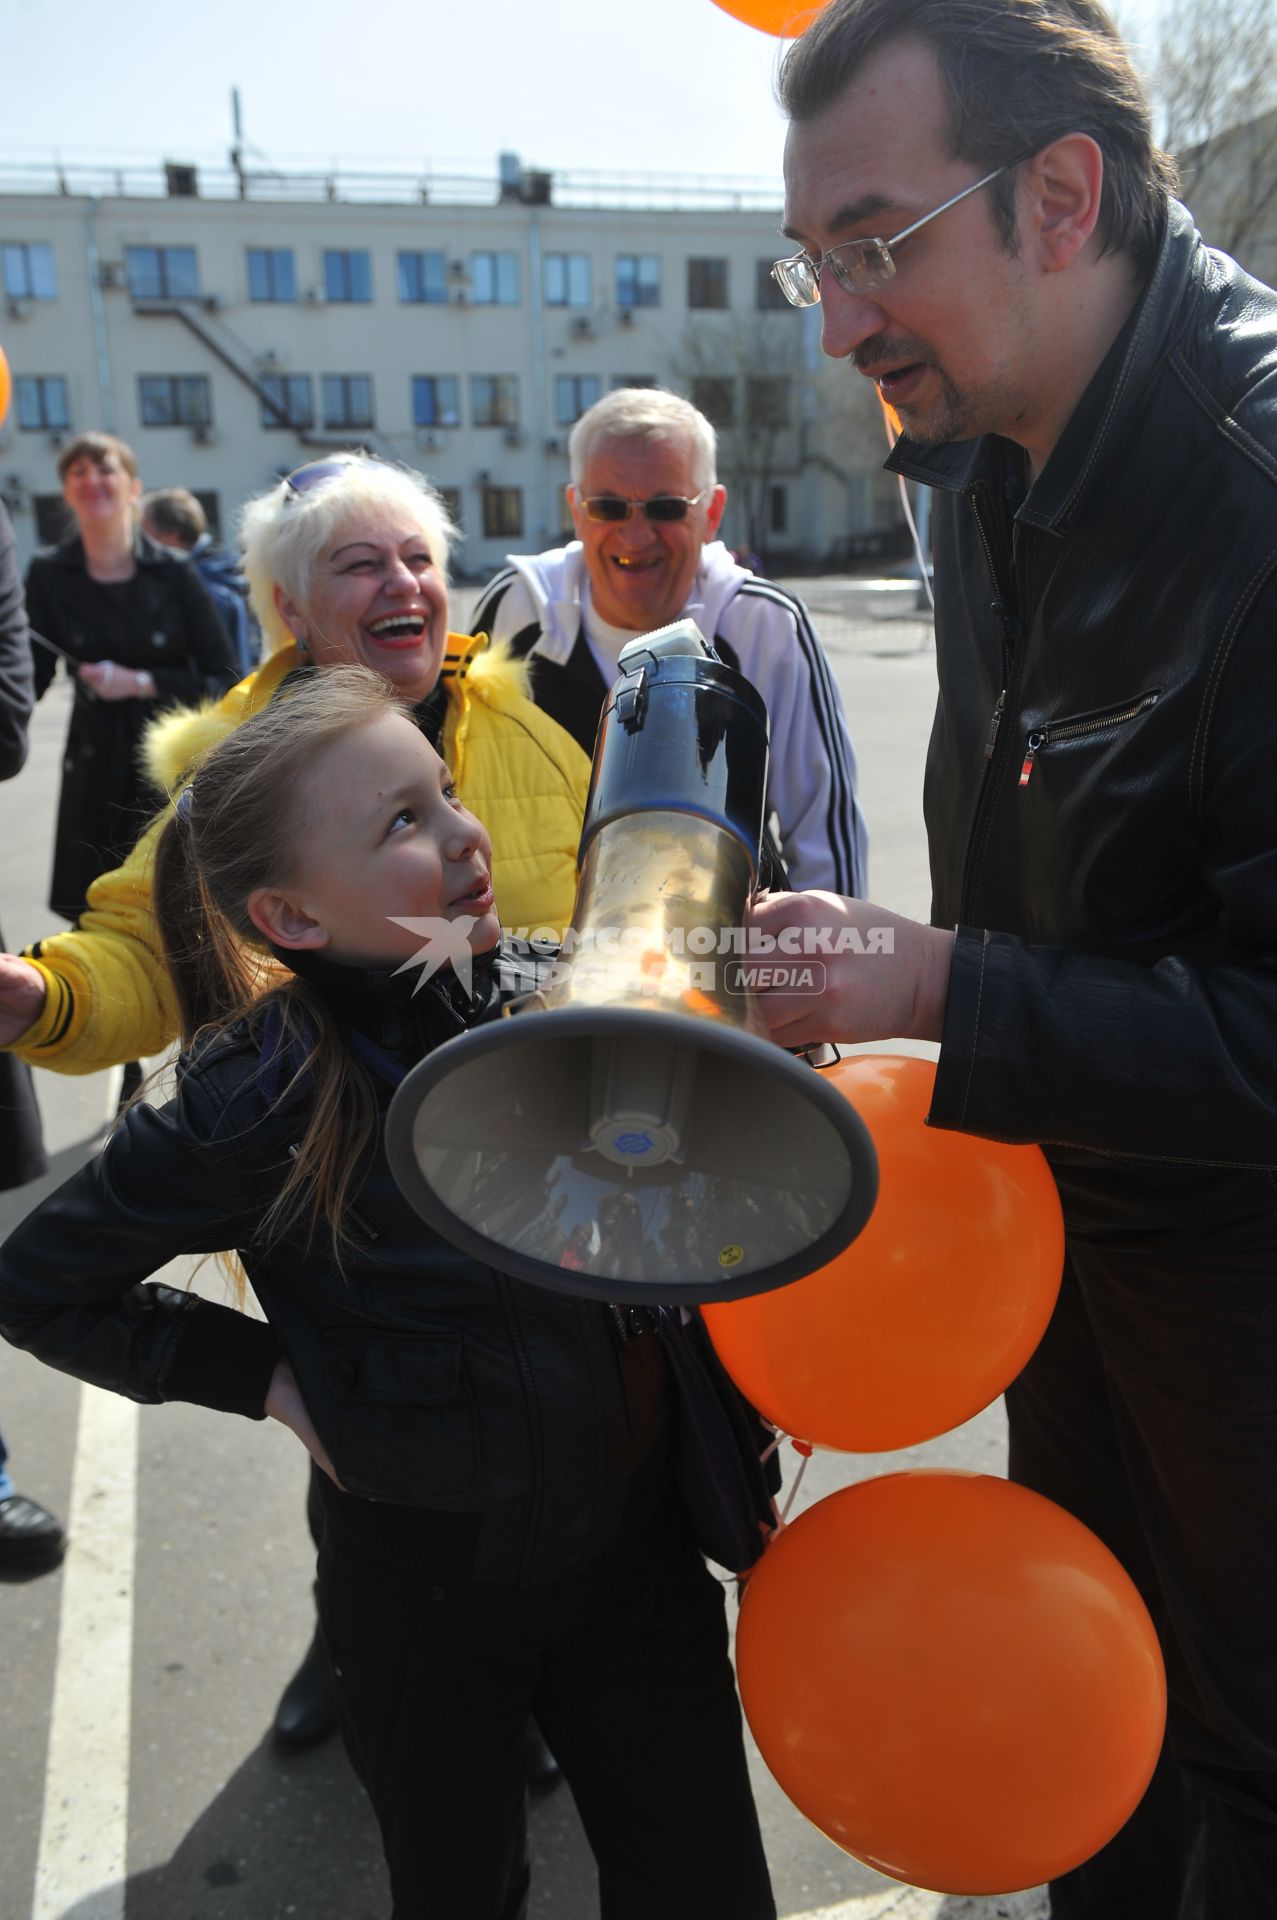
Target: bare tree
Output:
[(745, 372), (1214, 82)]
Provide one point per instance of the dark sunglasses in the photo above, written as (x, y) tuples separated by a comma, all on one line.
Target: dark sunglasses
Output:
[(317, 473), (662, 506)]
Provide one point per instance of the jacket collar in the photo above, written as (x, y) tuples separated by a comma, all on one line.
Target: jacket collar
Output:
[(559, 584), (146, 553), (1101, 423), (393, 1007)]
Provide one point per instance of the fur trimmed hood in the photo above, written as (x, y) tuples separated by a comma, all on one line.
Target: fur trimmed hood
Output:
[(175, 742)]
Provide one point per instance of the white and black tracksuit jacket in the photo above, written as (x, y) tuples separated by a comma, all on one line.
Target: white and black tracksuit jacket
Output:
[(540, 604)]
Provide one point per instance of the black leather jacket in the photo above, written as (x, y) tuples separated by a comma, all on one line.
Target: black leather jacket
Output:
[(433, 1381), (1101, 789)]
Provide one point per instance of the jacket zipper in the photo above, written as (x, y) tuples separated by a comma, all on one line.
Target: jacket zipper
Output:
[(1075, 729)]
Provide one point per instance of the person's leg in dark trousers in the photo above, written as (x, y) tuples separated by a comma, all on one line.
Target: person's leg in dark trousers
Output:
[(639, 1703), (306, 1712), (433, 1727), (1150, 1412)]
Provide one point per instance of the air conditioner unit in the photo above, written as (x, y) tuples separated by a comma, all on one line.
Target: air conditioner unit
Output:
[(553, 445), (13, 493), (314, 296), (211, 302), (58, 438), (625, 316), (428, 440), (583, 327), (181, 181), (18, 308), (459, 297), (203, 435), (111, 273), (513, 437), (457, 269)]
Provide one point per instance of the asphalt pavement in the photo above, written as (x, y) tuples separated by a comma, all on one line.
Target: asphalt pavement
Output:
[(137, 1776)]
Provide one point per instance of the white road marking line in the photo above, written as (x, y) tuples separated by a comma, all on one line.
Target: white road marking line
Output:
[(84, 1831)]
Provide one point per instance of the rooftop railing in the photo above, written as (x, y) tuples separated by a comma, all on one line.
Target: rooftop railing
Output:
[(311, 180)]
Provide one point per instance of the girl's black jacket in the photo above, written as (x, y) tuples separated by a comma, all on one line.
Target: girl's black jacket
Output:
[(434, 1382)]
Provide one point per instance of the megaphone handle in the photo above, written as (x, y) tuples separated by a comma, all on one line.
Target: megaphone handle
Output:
[(821, 1053)]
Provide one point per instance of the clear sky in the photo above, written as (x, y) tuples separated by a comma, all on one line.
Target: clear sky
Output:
[(633, 85)]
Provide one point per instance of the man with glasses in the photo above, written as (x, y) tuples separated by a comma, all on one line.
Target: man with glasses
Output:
[(1093, 397), (646, 507)]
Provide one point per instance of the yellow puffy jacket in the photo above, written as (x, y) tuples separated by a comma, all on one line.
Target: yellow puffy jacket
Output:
[(109, 997)]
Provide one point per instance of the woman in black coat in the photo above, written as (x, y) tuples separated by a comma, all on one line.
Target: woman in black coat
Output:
[(31, 1540), (22, 1155), (140, 633)]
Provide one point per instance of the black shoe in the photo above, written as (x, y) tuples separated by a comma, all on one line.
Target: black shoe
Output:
[(31, 1540), (540, 1768), (306, 1713)]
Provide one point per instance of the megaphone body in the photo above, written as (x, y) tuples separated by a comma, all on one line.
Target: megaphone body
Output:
[(629, 1132)]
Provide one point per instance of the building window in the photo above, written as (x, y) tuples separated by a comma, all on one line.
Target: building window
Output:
[(287, 400), (503, 513), (423, 278), (174, 400), (715, 395), (634, 380), (347, 275), (42, 401), (707, 283), (451, 498), (573, 393), (494, 399), (212, 506), (638, 280), (347, 399), (766, 292), (766, 401), (162, 273), (271, 274), (28, 270), (778, 509), (436, 400), (494, 279), (567, 279)]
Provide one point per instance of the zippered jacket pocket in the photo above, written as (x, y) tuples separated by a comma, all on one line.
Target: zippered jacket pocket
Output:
[(1077, 726)]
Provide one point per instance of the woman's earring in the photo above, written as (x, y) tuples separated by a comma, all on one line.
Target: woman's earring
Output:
[(302, 643)]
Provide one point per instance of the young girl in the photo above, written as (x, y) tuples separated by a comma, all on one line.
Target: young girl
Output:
[(501, 1529)]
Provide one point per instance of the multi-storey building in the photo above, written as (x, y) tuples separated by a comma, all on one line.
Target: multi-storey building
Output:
[(227, 324)]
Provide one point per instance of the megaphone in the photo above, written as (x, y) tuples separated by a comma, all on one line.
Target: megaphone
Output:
[(629, 1132)]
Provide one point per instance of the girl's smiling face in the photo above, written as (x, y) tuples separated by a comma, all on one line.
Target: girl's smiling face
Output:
[(381, 836), (375, 598)]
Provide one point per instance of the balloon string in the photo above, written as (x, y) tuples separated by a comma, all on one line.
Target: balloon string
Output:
[(793, 1491), (804, 1449)]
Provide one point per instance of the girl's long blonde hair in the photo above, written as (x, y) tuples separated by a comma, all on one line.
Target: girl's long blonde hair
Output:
[(236, 828)]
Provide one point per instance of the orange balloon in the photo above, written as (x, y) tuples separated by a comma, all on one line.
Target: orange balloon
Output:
[(953, 1679), (5, 386), (933, 1310), (785, 18)]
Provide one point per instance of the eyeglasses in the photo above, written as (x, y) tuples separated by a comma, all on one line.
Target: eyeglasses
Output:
[(861, 266), (662, 506)]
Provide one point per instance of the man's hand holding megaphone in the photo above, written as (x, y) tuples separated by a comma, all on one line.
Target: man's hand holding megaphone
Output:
[(885, 977)]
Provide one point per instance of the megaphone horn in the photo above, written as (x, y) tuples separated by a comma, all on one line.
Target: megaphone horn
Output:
[(630, 1132)]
